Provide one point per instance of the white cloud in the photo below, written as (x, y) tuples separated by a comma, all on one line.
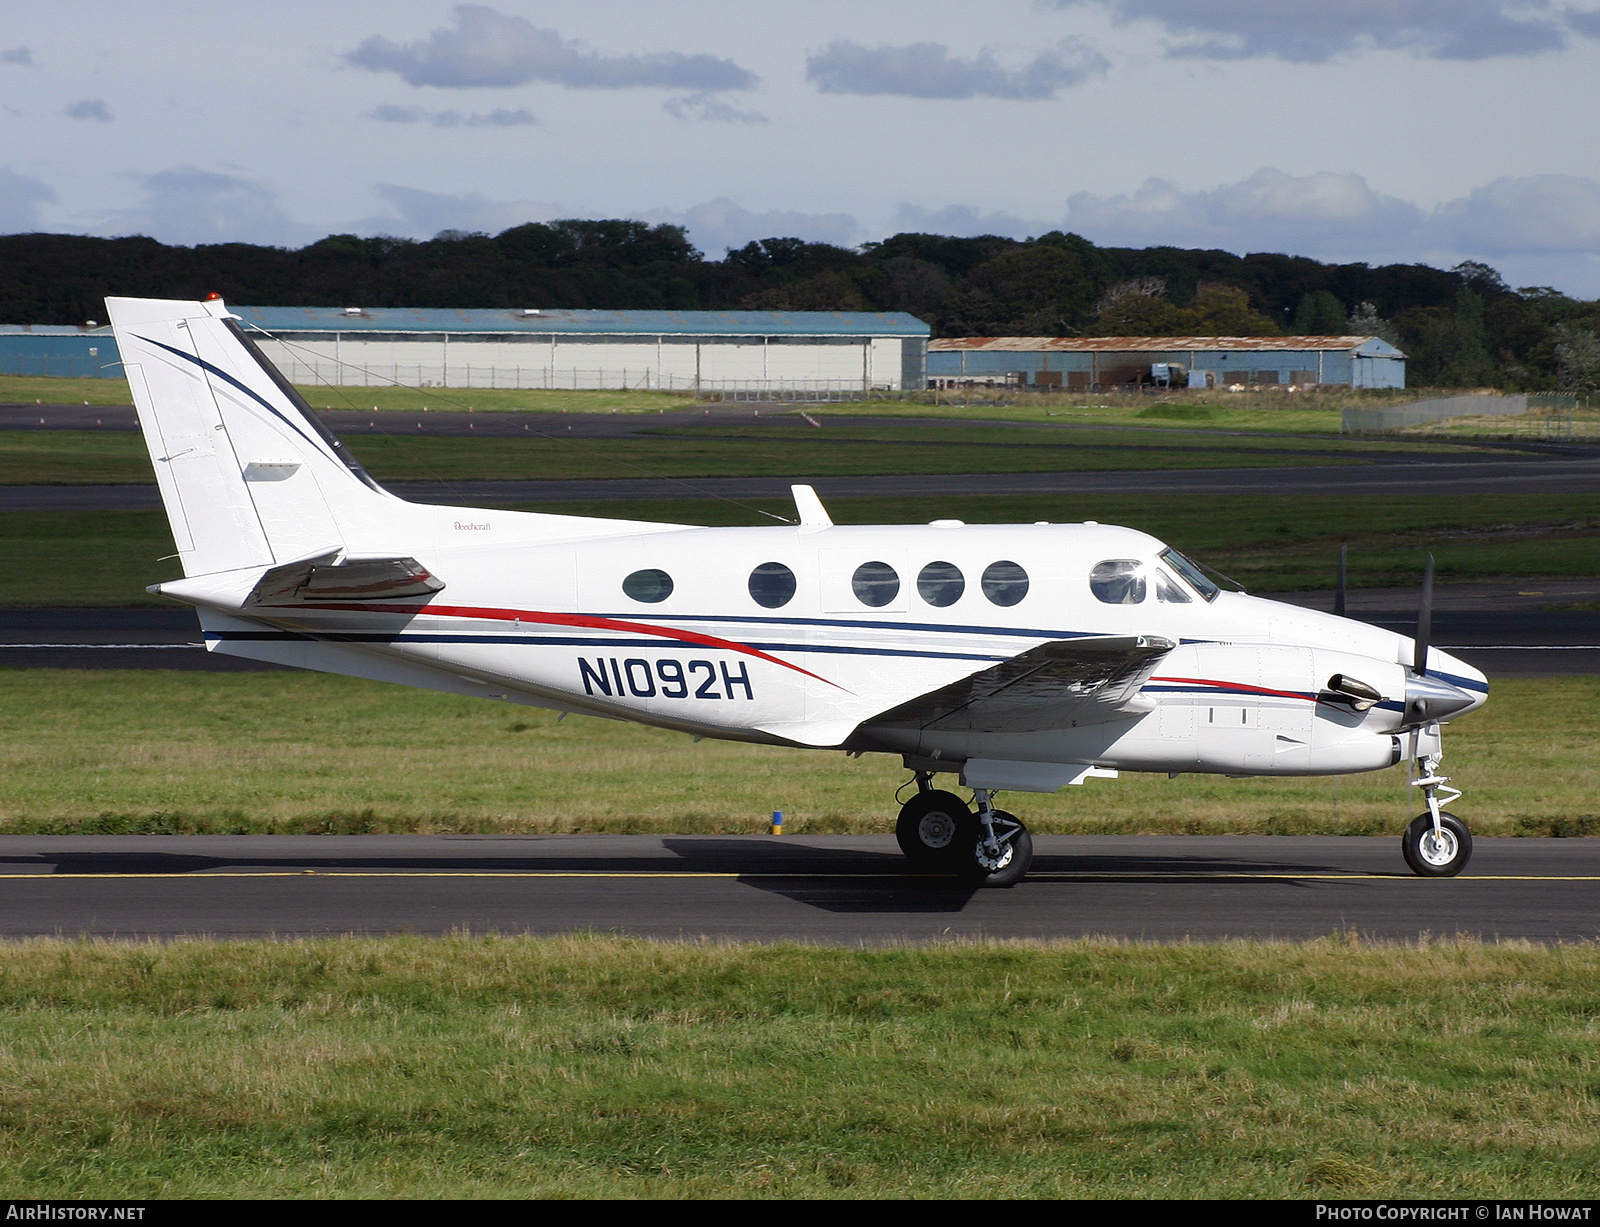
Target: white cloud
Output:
[(1269, 211), (20, 198), (188, 205), (961, 221), (720, 224), (1320, 31), (17, 55), (1540, 214), (421, 214), (927, 70), (89, 108), (489, 48)]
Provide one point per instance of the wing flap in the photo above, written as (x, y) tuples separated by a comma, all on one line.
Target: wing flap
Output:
[(1055, 685)]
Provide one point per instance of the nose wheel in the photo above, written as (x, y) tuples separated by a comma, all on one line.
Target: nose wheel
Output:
[(1436, 844), (1437, 853)]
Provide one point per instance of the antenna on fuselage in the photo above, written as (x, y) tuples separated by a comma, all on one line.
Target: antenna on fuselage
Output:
[(1419, 664)]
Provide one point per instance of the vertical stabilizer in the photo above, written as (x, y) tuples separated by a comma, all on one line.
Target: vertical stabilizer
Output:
[(248, 475)]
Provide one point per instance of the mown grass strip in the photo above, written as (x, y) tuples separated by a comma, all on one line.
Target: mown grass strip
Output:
[(593, 1066), (110, 752), (87, 457)]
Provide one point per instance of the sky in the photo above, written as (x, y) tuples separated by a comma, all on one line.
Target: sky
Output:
[(1378, 130)]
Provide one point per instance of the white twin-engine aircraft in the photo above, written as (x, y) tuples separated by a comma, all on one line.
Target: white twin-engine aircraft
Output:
[(1017, 657)]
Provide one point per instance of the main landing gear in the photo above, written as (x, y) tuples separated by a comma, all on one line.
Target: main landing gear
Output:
[(1436, 844), (941, 833)]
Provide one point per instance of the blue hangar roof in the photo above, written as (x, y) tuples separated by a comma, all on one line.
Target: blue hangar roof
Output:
[(546, 321)]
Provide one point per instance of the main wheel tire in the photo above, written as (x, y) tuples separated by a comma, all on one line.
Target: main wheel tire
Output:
[(1443, 856), (933, 828), (1016, 856)]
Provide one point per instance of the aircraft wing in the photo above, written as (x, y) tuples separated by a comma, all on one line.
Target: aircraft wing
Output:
[(1055, 685)]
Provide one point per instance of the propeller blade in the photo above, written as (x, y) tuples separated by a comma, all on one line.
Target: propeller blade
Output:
[(1424, 621), (1338, 593)]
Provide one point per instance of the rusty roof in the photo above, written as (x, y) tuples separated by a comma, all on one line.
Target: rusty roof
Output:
[(1145, 344)]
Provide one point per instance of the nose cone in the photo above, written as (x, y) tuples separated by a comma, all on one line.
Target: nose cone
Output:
[(1461, 675)]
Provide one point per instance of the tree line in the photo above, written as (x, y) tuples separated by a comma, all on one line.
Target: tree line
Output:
[(1460, 327)]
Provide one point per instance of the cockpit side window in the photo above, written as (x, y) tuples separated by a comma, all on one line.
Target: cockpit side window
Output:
[(1195, 577), (1118, 581), (1170, 591)]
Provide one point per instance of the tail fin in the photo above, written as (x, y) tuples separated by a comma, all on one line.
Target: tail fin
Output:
[(248, 474)]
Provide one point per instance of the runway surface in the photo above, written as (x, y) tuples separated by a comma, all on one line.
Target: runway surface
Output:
[(833, 890), (1511, 637)]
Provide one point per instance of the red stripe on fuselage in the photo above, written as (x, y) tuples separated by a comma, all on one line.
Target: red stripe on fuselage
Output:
[(1239, 688), (554, 619)]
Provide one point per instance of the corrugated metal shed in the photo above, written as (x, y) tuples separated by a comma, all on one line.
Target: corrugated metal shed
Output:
[(1087, 363), (579, 323), (1036, 345)]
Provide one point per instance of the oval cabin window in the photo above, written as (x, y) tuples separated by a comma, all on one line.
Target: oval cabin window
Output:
[(941, 584), (772, 585), (1118, 581), (648, 587), (1005, 583), (875, 584)]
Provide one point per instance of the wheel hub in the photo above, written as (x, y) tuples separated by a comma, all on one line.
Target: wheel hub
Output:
[(936, 829), (994, 862), (1438, 847)]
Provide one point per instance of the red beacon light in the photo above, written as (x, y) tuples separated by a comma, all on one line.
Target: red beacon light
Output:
[(213, 297)]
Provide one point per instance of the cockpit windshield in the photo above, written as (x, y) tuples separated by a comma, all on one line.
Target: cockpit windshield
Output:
[(1195, 577)]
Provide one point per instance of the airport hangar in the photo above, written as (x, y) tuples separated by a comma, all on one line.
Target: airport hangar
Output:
[(842, 351), (1103, 363)]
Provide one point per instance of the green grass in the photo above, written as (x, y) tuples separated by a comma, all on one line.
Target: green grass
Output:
[(1267, 411), (96, 457), (146, 751), (600, 1067), (1271, 543), (26, 389), (23, 389)]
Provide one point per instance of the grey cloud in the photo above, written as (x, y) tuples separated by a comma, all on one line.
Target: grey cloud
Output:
[(188, 205), (720, 224), (1269, 211), (89, 108), (421, 214), (707, 108), (963, 222), (927, 70), (20, 198), (488, 48), (388, 113), (1313, 33), (1541, 214), (17, 55), (1586, 23)]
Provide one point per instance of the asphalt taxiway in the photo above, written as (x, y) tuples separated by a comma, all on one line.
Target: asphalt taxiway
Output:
[(831, 890)]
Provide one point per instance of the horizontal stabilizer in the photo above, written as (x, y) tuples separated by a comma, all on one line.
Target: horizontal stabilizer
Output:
[(329, 578), (1055, 685)]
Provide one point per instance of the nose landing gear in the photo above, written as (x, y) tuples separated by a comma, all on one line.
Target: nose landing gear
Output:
[(940, 833), (1436, 844)]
